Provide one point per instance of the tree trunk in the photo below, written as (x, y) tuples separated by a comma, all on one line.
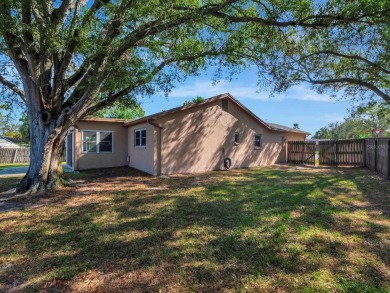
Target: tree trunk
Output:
[(47, 131), (46, 140)]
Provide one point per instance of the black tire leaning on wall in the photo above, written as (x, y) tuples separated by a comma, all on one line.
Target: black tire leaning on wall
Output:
[(227, 163)]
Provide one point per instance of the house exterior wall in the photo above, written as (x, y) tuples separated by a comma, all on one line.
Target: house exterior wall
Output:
[(291, 136), (191, 140), (198, 139), (117, 158), (143, 158)]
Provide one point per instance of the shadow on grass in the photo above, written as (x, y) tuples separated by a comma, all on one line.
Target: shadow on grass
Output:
[(264, 229)]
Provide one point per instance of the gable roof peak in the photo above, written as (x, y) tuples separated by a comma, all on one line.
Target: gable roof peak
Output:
[(193, 105)]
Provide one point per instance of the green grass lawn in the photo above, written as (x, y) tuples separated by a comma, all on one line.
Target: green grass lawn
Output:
[(4, 166), (271, 229)]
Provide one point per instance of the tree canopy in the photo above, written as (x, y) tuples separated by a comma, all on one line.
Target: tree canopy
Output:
[(195, 100), (100, 51), (361, 123), (7, 126), (351, 58), (122, 111)]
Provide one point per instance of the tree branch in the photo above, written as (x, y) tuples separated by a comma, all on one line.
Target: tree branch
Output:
[(78, 74), (37, 15), (13, 87), (112, 31), (321, 20), (143, 31), (353, 57), (157, 26), (66, 59), (62, 62), (28, 38), (354, 81), (59, 14), (113, 97)]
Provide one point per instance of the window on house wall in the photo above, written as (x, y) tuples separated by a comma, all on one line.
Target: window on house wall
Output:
[(257, 141), (140, 138), (89, 141), (97, 141), (105, 142), (236, 137), (225, 105)]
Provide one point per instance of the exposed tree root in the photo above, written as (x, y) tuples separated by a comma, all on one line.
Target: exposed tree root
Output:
[(53, 183)]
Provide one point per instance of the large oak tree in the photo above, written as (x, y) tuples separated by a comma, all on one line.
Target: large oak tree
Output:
[(68, 59)]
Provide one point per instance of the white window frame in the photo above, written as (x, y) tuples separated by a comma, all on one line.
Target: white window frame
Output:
[(140, 138), (261, 141), (97, 141)]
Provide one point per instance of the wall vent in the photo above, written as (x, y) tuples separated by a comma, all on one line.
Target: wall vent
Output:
[(225, 105)]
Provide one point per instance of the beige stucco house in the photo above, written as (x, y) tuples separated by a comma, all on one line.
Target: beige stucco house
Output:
[(214, 134)]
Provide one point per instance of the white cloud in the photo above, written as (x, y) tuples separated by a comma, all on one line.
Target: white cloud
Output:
[(317, 118), (304, 93), (240, 90)]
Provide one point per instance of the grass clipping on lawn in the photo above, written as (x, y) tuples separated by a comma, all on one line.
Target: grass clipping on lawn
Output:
[(271, 229)]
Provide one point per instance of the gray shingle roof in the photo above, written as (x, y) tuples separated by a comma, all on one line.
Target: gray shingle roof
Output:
[(279, 127), (4, 142)]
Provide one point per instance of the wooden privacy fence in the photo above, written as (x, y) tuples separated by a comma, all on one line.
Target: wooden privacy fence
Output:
[(373, 153), (378, 155), (301, 152), (342, 152), (15, 155)]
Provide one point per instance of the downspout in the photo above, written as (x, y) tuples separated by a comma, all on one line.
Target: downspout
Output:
[(159, 145)]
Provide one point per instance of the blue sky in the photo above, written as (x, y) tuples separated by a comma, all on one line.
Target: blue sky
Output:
[(298, 105)]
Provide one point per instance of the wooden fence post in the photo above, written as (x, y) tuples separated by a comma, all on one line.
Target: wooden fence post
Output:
[(14, 157), (288, 152), (337, 153), (388, 159), (375, 154), (364, 153)]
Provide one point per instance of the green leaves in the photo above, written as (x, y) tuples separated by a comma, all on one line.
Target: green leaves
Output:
[(360, 124), (198, 99), (129, 111), (351, 57)]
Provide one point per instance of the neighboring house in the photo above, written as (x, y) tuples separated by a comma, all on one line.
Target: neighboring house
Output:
[(6, 143), (192, 138)]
